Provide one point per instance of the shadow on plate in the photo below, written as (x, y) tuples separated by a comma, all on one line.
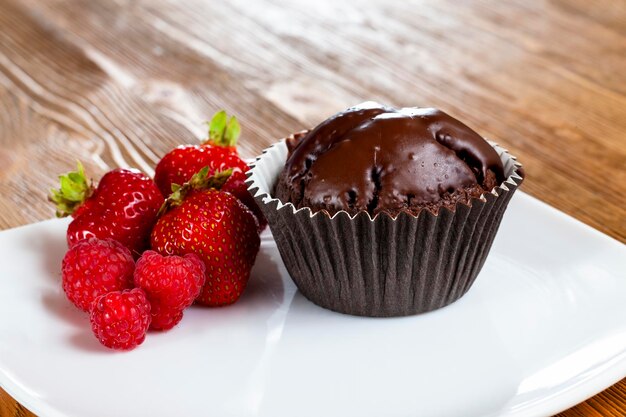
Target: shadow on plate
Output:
[(266, 285), (86, 341), (59, 306), (52, 246)]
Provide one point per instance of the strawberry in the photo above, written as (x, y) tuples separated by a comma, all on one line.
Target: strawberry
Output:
[(200, 218), (219, 153), (123, 207)]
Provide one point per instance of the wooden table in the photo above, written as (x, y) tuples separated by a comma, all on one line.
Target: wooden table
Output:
[(118, 83)]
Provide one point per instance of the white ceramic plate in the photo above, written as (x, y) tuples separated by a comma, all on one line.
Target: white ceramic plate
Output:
[(543, 328)]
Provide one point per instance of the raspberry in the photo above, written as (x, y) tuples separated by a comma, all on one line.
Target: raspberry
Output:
[(172, 282), (164, 318), (93, 267), (120, 319)]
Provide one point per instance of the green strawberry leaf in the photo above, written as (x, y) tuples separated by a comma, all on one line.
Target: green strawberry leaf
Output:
[(74, 190), (224, 131), (217, 127), (233, 130), (200, 181)]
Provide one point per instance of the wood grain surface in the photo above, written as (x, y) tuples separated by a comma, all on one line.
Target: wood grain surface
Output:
[(118, 83)]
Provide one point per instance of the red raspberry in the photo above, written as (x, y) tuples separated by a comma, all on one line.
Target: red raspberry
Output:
[(172, 283), (93, 267), (164, 318), (120, 319)]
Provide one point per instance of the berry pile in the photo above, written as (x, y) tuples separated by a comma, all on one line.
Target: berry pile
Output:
[(142, 251)]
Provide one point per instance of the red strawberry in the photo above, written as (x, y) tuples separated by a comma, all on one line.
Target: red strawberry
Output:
[(215, 226), (124, 207), (219, 153), (236, 186)]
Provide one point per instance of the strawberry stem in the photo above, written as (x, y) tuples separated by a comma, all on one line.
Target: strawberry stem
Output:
[(73, 192), (200, 181), (224, 131)]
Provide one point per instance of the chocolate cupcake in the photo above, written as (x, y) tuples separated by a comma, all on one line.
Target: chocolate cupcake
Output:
[(384, 212)]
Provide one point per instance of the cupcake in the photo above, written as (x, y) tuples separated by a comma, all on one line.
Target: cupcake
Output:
[(384, 212)]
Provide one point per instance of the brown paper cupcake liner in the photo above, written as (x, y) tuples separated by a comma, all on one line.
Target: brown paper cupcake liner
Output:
[(381, 267)]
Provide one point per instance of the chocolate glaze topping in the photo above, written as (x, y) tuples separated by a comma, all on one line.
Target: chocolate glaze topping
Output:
[(377, 158)]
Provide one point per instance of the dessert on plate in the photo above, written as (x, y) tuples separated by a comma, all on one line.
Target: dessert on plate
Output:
[(384, 212)]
